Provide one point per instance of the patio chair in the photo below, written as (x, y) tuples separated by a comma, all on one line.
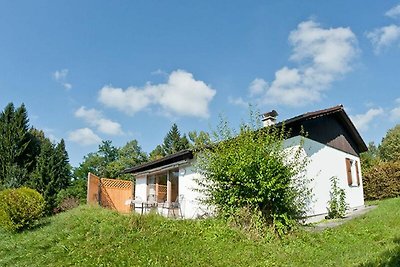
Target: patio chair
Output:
[(151, 203), (176, 205)]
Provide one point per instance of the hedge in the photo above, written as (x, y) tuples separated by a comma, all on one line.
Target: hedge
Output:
[(382, 181)]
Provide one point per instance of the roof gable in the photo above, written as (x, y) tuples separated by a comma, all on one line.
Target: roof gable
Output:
[(330, 126)]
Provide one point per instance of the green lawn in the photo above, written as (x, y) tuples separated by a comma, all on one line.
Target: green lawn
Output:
[(90, 236)]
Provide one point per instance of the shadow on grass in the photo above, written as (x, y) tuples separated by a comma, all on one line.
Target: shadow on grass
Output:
[(390, 258), (41, 223)]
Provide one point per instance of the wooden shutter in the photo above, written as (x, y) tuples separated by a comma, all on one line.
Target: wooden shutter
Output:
[(348, 169), (357, 173)]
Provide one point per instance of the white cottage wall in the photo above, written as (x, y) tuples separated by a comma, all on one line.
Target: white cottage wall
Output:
[(191, 204), (324, 163), (141, 187)]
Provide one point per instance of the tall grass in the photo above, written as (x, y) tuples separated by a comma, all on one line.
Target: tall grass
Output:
[(89, 236)]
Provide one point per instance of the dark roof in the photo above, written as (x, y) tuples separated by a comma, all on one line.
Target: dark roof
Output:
[(337, 111), (179, 156), (298, 120)]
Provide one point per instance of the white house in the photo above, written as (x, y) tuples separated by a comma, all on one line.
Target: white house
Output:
[(333, 146)]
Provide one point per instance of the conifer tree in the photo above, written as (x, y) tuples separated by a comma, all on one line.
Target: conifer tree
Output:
[(52, 173), (174, 142), (16, 157)]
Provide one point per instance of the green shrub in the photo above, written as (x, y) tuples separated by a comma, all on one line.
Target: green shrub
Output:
[(337, 205), (71, 196), (76, 190), (382, 181), (20, 208), (251, 171)]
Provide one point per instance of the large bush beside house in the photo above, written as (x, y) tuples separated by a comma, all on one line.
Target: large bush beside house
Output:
[(248, 178), (20, 208), (382, 181)]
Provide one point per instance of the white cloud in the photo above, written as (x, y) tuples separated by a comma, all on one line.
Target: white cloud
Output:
[(181, 95), (362, 121), (238, 102), (84, 137), (258, 86), (384, 37), (95, 118), (159, 72), (394, 12), (60, 76), (322, 56), (395, 112)]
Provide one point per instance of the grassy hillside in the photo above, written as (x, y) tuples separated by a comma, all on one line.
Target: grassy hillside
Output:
[(90, 236)]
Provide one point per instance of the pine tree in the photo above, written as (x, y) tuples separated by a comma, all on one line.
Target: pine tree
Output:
[(61, 168), (16, 157), (52, 173), (42, 177), (174, 142)]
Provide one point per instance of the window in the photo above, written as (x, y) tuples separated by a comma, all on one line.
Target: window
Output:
[(353, 174)]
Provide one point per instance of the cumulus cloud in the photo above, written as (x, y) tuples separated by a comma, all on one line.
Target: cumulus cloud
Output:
[(363, 121), (393, 12), (384, 37), (257, 86), (322, 56), (395, 112), (60, 76), (180, 95), (84, 137), (96, 119), (238, 101)]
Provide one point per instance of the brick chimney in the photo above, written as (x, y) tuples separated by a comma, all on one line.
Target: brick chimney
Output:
[(269, 118)]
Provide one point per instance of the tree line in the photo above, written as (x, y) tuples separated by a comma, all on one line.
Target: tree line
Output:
[(28, 158), (109, 161)]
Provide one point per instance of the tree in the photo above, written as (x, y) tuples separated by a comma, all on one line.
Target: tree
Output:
[(157, 153), (174, 142), (390, 145), (371, 157), (107, 151), (62, 168), (199, 139), (27, 157), (250, 173), (131, 154), (16, 157), (52, 173), (109, 161), (92, 162)]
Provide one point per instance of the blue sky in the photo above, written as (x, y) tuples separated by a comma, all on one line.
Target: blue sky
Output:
[(120, 70)]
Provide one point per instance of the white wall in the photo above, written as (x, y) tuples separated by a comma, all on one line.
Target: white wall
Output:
[(141, 187), (191, 204), (326, 162)]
